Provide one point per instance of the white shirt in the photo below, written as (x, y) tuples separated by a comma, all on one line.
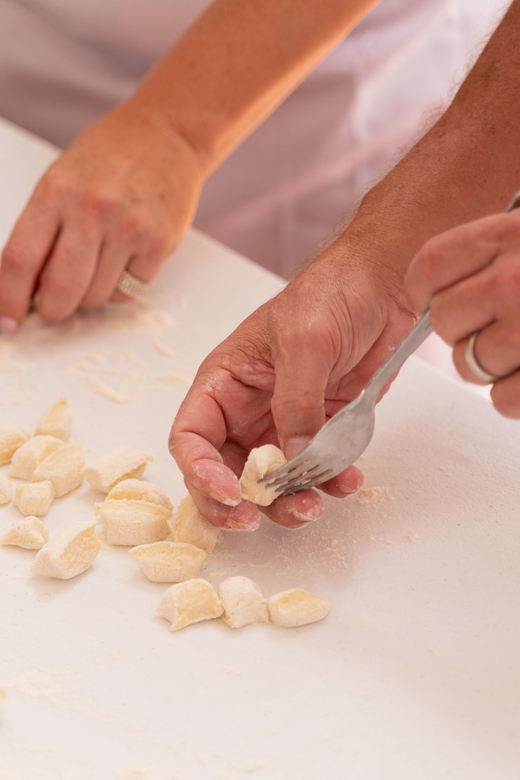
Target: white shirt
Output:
[(63, 63)]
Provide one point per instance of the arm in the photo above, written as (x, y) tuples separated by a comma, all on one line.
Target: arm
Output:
[(309, 351), (122, 195)]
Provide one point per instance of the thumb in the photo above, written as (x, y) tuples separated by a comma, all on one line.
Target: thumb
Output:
[(298, 403)]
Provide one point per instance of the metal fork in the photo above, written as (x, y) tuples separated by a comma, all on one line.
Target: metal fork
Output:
[(347, 435)]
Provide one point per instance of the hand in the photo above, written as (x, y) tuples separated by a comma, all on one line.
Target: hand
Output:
[(470, 278), (121, 196), (293, 363)]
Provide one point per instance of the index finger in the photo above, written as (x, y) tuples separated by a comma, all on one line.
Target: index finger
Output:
[(197, 435), (26, 251), (457, 254)]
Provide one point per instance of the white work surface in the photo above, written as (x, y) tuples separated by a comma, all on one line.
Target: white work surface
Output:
[(414, 674)]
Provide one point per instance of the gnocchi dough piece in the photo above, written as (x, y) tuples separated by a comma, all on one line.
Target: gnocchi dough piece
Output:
[(31, 453), (297, 607), (6, 489), (261, 461), (69, 553), (128, 522), (57, 421), (139, 490), (11, 437), (169, 561), (189, 526), (114, 466), (34, 498), (243, 602), (29, 533), (190, 602), (64, 468)]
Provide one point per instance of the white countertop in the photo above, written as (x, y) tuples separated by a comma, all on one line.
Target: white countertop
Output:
[(414, 674)]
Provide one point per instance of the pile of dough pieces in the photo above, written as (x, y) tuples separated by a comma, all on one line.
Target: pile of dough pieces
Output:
[(137, 514)]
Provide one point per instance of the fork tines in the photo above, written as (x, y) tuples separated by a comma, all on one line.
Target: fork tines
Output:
[(301, 477)]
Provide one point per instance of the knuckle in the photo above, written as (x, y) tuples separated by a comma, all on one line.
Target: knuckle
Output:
[(160, 244), (505, 284), (100, 202), (134, 226)]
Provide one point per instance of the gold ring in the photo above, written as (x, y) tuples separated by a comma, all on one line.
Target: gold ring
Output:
[(130, 285), (473, 364)]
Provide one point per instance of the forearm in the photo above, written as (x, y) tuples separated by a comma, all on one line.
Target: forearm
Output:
[(237, 63), (466, 166)]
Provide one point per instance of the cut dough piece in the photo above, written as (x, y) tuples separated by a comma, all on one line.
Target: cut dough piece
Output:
[(64, 468), (29, 533), (139, 490), (189, 526), (261, 461), (169, 561), (57, 421), (69, 553), (114, 466), (34, 498), (243, 602), (31, 454), (190, 602), (131, 523), (6, 489), (11, 437), (297, 607)]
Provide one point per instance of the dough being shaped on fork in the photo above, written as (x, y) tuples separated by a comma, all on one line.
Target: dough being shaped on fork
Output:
[(69, 553), (261, 461)]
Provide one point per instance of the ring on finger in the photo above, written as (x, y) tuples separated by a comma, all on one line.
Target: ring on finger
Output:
[(130, 285), (472, 363)]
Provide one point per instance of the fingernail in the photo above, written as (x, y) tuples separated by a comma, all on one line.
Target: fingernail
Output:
[(310, 516), (295, 445), (234, 525), (8, 326), (222, 498)]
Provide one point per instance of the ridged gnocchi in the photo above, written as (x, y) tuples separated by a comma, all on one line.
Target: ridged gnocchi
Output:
[(169, 561), (190, 602), (63, 467), (69, 553), (34, 498), (30, 454), (297, 607), (261, 461), (114, 466), (29, 533), (243, 602)]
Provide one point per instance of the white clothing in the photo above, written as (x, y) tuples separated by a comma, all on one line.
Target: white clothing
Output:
[(63, 63)]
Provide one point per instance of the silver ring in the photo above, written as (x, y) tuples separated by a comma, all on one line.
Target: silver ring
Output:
[(130, 285), (473, 364)]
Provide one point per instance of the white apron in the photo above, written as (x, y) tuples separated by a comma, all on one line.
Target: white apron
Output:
[(63, 63)]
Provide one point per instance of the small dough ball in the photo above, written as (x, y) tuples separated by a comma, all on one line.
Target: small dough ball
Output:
[(11, 437), (114, 466), (34, 498), (31, 454), (297, 607), (69, 553), (243, 602), (131, 523), (57, 421), (189, 602), (64, 468), (261, 461), (29, 533), (169, 561), (139, 490), (6, 489), (189, 526)]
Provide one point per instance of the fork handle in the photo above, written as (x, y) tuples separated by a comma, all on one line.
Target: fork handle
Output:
[(393, 363)]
